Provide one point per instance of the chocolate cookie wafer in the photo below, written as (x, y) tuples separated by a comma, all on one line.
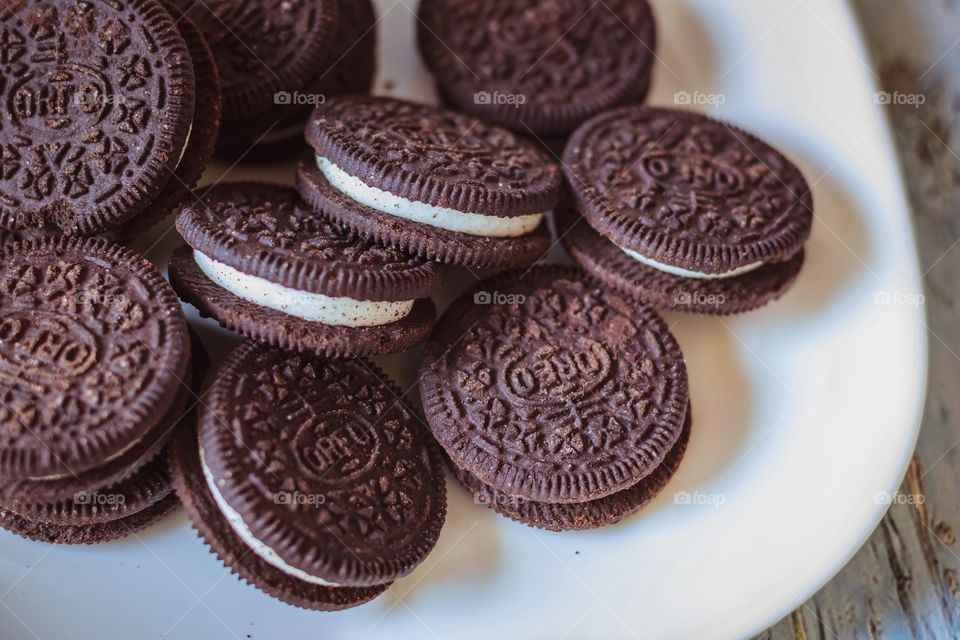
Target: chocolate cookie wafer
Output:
[(93, 352)]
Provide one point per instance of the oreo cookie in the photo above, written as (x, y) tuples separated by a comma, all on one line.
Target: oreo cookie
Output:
[(94, 353), (708, 218), (309, 478), (584, 515), (265, 265), (101, 99), (437, 183), (539, 68), (277, 134), (546, 388)]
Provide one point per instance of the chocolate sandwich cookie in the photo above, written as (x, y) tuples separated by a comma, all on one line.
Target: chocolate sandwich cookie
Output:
[(93, 355), (550, 389), (538, 67), (434, 182), (265, 265), (265, 49), (105, 514), (709, 213), (309, 478), (584, 515), (349, 69), (117, 510), (99, 100)]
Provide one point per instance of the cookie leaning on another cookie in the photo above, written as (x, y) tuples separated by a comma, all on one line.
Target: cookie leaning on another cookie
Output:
[(309, 478)]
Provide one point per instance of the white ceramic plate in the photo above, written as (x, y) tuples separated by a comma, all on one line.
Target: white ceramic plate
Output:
[(805, 413)]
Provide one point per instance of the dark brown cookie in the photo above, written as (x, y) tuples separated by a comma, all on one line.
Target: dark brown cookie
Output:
[(265, 232), (548, 388), (262, 47), (610, 265), (350, 67), (93, 346), (200, 140), (538, 67), (97, 516), (98, 103), (687, 191), (431, 181), (320, 462), (584, 515)]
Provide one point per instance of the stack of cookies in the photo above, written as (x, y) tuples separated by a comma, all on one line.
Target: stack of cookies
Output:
[(560, 404), (95, 367)]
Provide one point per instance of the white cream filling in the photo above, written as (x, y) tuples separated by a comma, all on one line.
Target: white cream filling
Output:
[(686, 273), (316, 307), (450, 219), (246, 536)]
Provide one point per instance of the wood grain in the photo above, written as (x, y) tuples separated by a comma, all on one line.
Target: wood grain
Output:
[(904, 582)]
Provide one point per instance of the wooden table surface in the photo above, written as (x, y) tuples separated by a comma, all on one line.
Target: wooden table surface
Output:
[(904, 582)]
